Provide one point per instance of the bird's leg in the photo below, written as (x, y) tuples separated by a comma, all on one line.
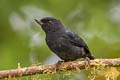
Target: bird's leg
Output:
[(58, 64), (87, 63)]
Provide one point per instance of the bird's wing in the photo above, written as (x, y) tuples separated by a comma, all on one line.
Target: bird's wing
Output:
[(76, 40)]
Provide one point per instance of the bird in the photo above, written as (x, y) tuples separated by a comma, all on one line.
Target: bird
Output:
[(64, 42)]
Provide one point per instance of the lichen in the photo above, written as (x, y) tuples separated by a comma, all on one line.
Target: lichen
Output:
[(47, 71), (111, 74), (63, 68), (98, 67), (18, 66)]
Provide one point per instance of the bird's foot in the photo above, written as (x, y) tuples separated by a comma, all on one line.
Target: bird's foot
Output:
[(87, 63), (59, 62)]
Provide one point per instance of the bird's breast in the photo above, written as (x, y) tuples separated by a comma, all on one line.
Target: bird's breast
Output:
[(56, 43)]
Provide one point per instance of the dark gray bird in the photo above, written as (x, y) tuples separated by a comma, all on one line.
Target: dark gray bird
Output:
[(65, 43)]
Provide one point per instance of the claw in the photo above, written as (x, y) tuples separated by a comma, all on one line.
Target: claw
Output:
[(87, 63), (58, 64)]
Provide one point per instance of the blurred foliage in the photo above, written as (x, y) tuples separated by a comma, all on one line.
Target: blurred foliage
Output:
[(22, 40)]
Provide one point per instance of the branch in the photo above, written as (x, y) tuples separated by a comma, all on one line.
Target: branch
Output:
[(65, 66)]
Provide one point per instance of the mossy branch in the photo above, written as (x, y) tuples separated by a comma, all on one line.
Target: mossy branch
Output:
[(53, 68)]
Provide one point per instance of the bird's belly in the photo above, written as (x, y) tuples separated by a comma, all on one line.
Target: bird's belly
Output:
[(64, 49), (72, 53), (57, 45)]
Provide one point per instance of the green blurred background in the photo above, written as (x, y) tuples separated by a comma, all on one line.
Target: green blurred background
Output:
[(22, 40)]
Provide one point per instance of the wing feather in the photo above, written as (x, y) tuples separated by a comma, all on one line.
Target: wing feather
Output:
[(76, 40)]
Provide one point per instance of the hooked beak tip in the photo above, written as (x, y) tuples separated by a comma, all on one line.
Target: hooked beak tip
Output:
[(38, 21)]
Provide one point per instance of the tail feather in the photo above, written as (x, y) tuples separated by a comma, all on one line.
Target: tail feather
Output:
[(91, 57)]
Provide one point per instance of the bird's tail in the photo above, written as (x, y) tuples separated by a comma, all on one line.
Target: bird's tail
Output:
[(91, 57)]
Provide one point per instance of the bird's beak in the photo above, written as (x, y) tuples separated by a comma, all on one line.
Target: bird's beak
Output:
[(38, 21)]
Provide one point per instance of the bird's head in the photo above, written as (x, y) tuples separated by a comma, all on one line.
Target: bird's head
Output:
[(49, 24)]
